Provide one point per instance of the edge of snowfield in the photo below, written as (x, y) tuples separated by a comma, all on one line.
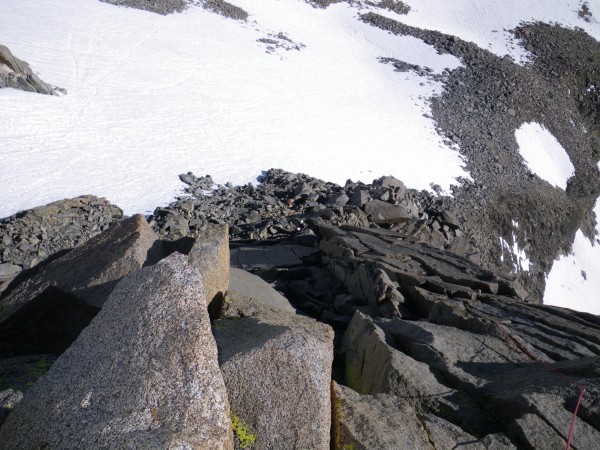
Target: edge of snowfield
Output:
[(152, 96)]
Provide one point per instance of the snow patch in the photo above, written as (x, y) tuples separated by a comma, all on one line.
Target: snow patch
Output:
[(544, 155), (520, 260), (574, 281)]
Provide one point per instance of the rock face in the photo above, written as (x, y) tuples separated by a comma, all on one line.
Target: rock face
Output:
[(277, 369), (144, 374), (32, 236), (17, 74), (46, 311)]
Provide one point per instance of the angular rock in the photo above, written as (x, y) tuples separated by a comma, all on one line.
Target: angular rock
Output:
[(210, 254), (277, 369), (359, 198), (381, 212), (49, 309), (144, 374), (375, 422), (395, 184)]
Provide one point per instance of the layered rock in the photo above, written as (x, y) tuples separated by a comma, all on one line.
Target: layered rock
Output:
[(144, 373), (17, 74)]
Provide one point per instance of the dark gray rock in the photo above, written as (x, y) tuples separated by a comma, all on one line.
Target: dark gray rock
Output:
[(381, 212), (163, 7), (225, 9)]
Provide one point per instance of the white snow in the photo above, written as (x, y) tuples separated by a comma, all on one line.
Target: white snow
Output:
[(521, 262), (544, 155), (566, 285), (151, 96), (487, 22)]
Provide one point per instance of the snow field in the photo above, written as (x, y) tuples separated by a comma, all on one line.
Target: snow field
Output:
[(151, 96)]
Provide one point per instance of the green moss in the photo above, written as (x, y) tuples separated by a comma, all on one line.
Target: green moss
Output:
[(348, 447), (242, 432), (41, 367)]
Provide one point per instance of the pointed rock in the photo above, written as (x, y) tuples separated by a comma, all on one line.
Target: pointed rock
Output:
[(144, 374)]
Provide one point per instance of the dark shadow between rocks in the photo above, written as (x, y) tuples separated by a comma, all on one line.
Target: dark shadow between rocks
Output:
[(183, 245), (241, 335), (50, 323)]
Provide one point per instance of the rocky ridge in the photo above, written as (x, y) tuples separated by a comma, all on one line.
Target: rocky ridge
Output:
[(405, 329)]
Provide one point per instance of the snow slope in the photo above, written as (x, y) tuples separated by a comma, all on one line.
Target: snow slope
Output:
[(574, 281), (151, 96)]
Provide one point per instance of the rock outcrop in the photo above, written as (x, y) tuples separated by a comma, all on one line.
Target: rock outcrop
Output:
[(46, 311), (17, 74), (277, 369), (143, 374)]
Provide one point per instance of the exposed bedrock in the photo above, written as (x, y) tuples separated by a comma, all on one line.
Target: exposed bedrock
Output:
[(484, 102)]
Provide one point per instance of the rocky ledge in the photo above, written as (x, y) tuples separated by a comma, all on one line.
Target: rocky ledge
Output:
[(292, 314)]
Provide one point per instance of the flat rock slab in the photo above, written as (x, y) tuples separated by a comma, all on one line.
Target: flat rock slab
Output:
[(144, 374), (277, 369), (249, 285), (79, 282)]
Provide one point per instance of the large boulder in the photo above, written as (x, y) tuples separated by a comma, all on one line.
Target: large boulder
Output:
[(143, 374), (277, 369), (48, 310)]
